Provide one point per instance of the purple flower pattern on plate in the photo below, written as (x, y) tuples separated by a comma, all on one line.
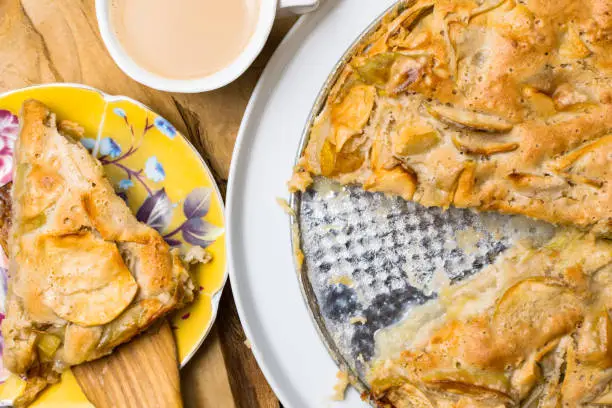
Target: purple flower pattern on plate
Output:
[(157, 210), (9, 126)]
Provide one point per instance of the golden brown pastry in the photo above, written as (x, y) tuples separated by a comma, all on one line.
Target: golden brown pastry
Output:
[(84, 274), (499, 105), (532, 330)]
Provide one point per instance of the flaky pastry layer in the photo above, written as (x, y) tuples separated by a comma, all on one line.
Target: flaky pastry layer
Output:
[(500, 105), (84, 274), (531, 330)]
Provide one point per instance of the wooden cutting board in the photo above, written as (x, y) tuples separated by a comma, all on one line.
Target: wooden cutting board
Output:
[(58, 41)]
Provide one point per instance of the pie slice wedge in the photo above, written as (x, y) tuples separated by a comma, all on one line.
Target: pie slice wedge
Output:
[(84, 274)]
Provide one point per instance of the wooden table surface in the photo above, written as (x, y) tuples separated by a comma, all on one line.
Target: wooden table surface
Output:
[(45, 41)]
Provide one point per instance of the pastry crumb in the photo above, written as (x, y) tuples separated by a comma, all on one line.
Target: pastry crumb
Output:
[(72, 129), (439, 282), (297, 252), (300, 181), (247, 343), (358, 320), (343, 279), (196, 254), (467, 239), (299, 257), (342, 384), (285, 206)]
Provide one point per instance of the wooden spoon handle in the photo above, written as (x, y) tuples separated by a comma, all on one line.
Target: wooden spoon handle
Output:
[(141, 374)]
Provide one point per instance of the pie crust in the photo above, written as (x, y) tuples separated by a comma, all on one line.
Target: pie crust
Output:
[(496, 105), (84, 274), (500, 105), (532, 330)]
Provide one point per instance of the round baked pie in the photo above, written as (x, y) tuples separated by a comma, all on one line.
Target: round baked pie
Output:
[(495, 105)]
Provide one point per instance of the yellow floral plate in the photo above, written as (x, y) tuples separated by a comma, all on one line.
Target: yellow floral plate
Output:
[(164, 181)]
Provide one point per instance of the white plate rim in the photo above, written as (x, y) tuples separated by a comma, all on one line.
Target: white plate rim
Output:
[(236, 153), (260, 93)]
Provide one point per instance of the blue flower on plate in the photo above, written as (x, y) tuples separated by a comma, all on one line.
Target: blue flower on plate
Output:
[(110, 148), (120, 112), (125, 184), (88, 143), (165, 127), (154, 170)]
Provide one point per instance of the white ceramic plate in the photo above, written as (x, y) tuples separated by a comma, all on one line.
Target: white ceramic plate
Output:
[(272, 310)]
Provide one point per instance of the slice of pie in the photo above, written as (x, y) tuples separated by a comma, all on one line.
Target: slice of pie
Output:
[(84, 274), (501, 105)]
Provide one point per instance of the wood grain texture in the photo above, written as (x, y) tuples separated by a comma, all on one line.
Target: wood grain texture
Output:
[(207, 372), (245, 377), (141, 374), (45, 41)]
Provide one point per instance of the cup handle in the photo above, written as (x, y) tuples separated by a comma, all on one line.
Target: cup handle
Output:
[(297, 6)]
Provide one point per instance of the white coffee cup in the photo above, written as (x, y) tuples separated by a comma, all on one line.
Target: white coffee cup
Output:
[(267, 13)]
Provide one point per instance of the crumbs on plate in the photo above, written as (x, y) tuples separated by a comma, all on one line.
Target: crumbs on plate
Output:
[(341, 385), (195, 255), (358, 320), (284, 204)]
